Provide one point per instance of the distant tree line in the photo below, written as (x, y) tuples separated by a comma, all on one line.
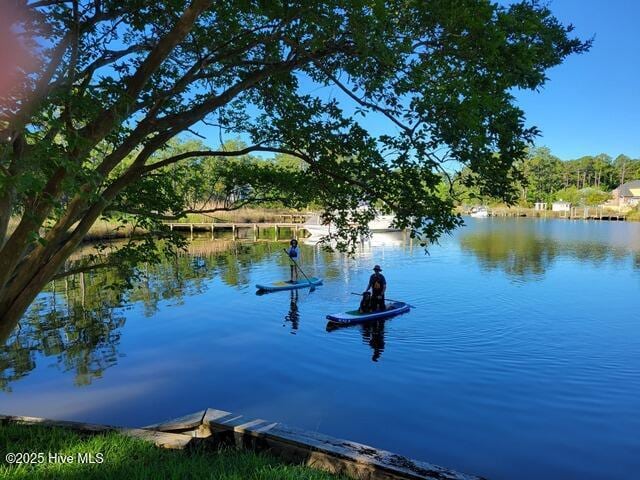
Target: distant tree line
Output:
[(543, 177)]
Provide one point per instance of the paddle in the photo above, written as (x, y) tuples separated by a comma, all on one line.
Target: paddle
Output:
[(390, 299), (298, 267)]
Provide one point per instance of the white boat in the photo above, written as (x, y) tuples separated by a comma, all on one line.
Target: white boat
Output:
[(317, 229), (382, 223), (479, 212), (386, 239)]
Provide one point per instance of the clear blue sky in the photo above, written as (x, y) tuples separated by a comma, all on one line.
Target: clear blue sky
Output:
[(591, 103)]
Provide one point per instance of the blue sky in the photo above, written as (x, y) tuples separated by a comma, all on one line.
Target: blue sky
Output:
[(591, 103)]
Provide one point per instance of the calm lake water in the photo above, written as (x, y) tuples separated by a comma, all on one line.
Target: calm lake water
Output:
[(520, 360)]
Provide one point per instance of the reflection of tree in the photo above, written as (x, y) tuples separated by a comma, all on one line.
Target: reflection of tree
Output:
[(524, 253), (75, 320), (189, 273), (82, 333), (518, 253)]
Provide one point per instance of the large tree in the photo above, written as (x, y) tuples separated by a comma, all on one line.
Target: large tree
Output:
[(543, 174), (85, 132)]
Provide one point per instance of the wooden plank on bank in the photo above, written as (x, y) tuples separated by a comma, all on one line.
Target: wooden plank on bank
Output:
[(323, 452), (161, 439), (47, 422), (290, 444), (175, 441), (186, 422)]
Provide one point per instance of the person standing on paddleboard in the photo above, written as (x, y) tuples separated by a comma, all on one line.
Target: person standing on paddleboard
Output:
[(294, 254), (378, 286)]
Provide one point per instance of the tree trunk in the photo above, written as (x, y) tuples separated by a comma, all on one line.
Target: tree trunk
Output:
[(5, 215), (17, 297), (9, 318)]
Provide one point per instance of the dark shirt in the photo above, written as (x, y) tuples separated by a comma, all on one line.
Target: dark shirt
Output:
[(377, 278)]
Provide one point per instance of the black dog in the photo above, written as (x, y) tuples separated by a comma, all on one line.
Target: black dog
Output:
[(365, 303)]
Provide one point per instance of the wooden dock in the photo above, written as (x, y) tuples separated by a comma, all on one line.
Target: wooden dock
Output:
[(235, 227), (575, 213), (596, 213)]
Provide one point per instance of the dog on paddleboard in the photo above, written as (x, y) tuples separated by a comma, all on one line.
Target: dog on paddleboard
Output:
[(365, 303)]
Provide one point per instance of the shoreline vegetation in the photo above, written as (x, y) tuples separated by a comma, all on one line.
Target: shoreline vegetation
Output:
[(112, 230), (103, 230), (116, 456)]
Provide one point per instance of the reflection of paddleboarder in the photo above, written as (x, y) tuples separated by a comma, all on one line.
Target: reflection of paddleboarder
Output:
[(294, 254), (293, 316), (373, 334)]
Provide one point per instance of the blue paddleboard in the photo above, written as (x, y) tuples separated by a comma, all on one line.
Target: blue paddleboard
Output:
[(353, 316), (287, 285)]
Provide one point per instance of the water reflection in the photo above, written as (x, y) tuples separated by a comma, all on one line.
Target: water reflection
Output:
[(559, 355), (293, 316), (525, 252), (78, 321), (516, 253), (372, 333)]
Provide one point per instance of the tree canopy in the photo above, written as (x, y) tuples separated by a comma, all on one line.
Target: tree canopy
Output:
[(87, 126)]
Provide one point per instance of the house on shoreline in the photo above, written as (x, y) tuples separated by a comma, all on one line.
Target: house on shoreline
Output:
[(561, 206), (627, 194)]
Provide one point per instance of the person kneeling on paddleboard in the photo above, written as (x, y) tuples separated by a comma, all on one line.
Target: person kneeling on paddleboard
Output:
[(294, 254), (377, 285)]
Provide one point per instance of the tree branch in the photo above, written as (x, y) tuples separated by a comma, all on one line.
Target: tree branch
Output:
[(359, 100), (103, 123), (184, 119), (259, 148)]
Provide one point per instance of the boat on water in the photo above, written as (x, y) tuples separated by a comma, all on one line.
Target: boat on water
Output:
[(479, 212), (317, 229), (385, 239), (355, 316), (381, 223)]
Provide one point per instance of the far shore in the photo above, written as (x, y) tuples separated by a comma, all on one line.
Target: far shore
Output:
[(113, 230), (575, 213)]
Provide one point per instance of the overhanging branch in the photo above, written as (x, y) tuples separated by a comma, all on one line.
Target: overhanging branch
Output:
[(313, 164)]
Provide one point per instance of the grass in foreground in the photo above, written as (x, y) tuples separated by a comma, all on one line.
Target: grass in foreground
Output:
[(126, 458)]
